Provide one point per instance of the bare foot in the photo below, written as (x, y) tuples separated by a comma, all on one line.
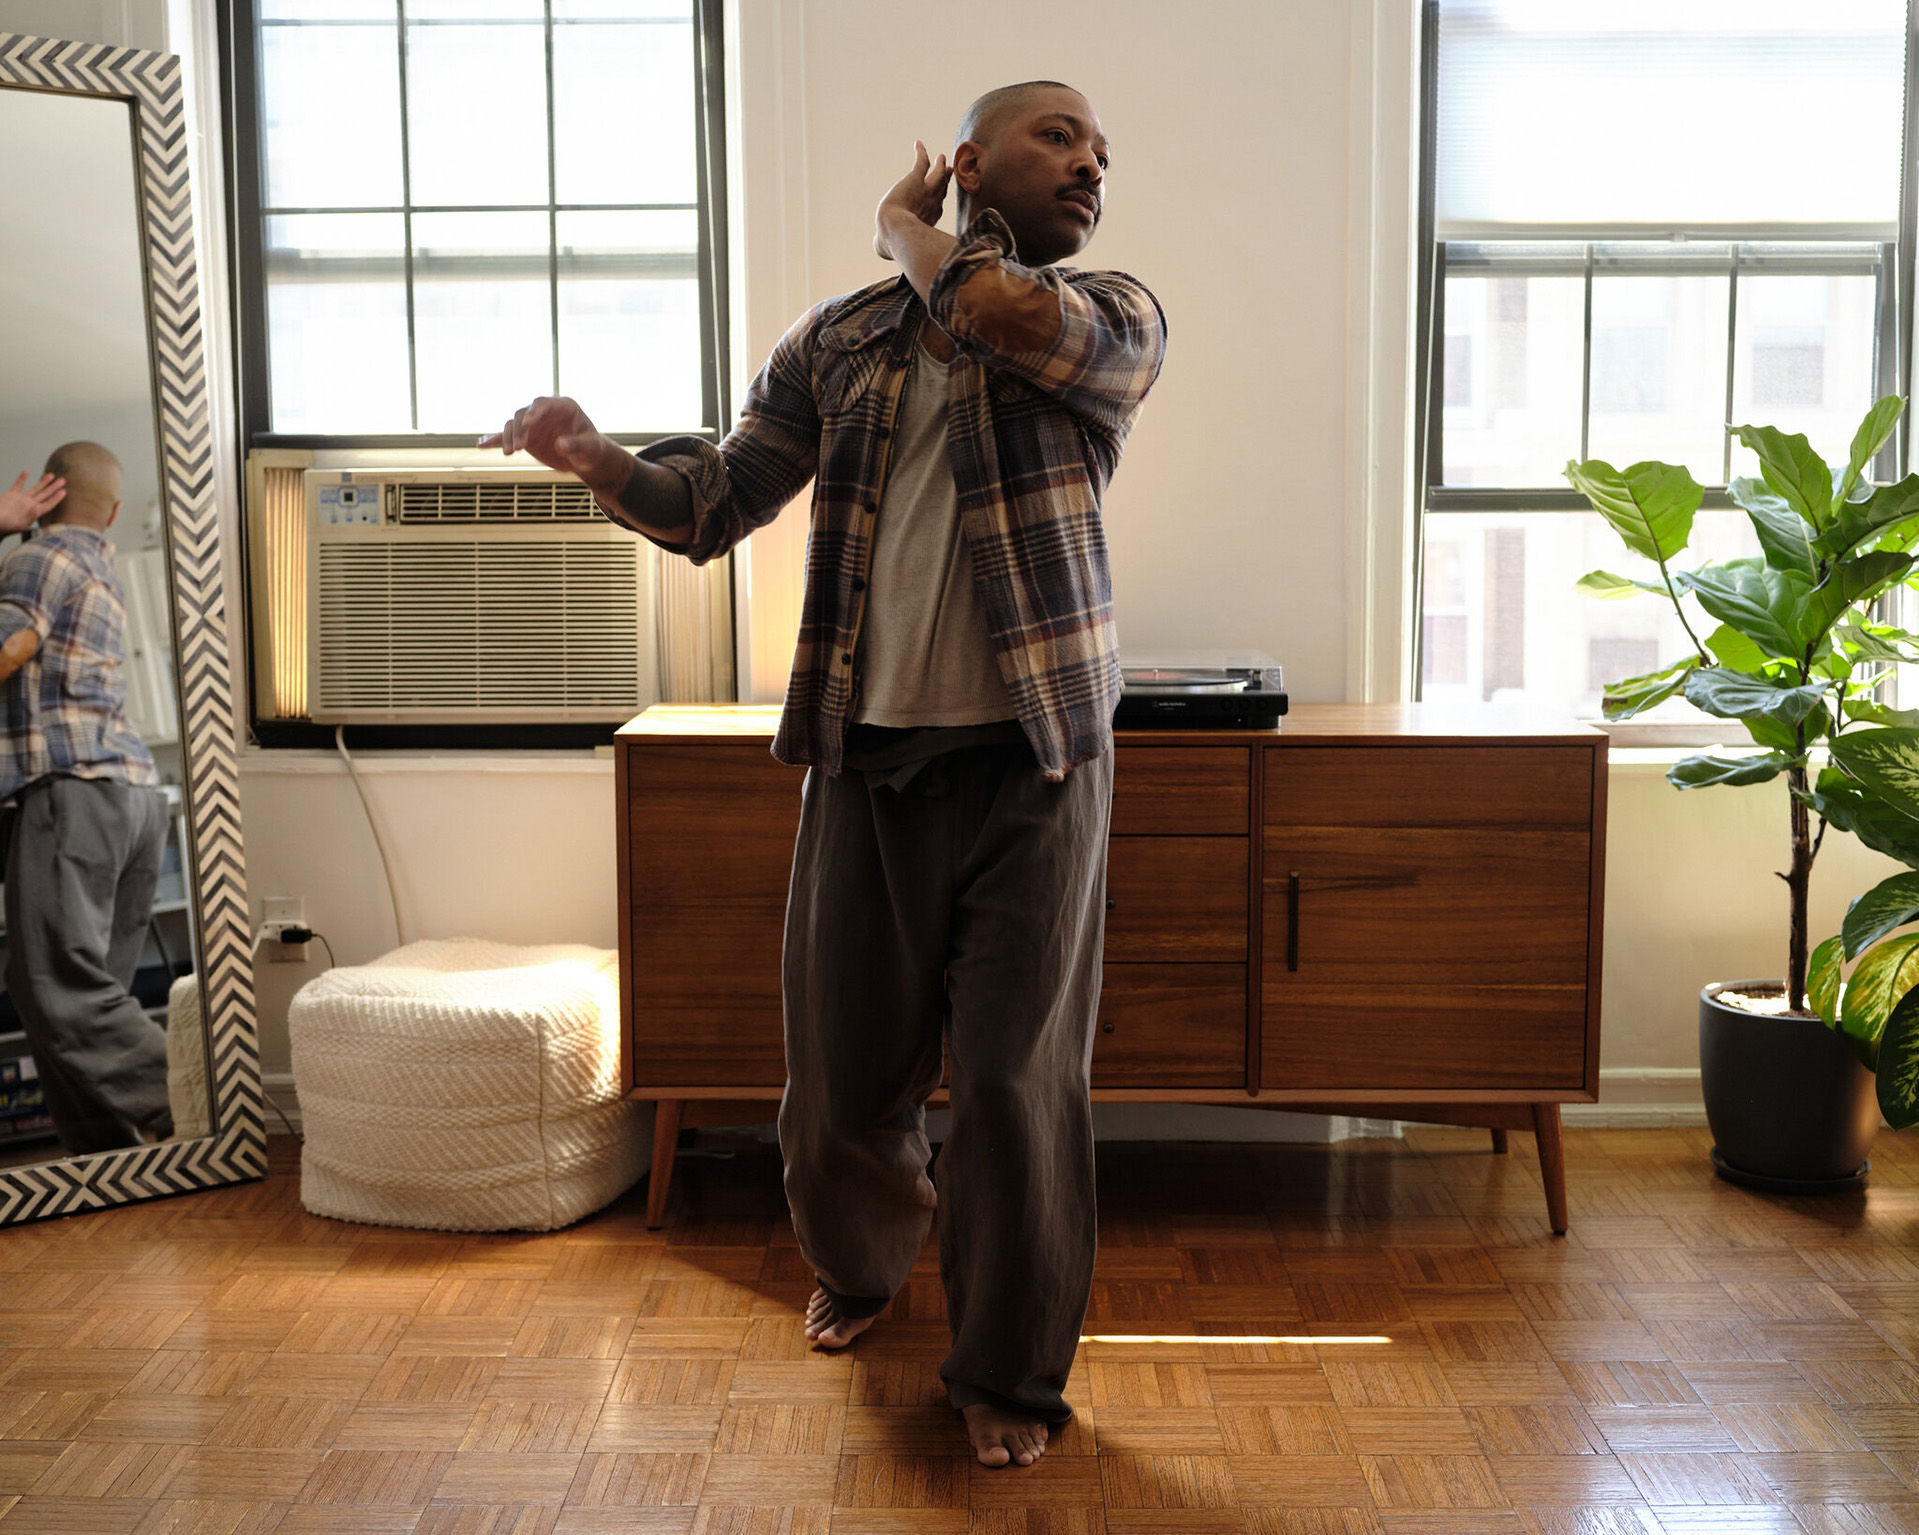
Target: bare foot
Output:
[(999, 1436), (827, 1328)]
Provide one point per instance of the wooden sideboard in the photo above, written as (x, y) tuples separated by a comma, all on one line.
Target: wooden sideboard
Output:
[(1383, 909)]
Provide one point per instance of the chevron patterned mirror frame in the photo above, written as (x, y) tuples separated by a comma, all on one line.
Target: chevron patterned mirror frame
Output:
[(236, 1149)]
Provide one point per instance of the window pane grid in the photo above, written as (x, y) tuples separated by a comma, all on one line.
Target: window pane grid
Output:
[(552, 218), (1632, 306), (1500, 618), (1788, 330), (406, 214), (619, 287), (491, 208), (1792, 336)]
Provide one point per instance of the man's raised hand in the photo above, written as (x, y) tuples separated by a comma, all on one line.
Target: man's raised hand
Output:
[(558, 433), (919, 194), (21, 507)]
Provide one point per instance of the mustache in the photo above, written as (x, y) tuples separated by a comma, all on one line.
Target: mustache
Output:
[(1099, 199)]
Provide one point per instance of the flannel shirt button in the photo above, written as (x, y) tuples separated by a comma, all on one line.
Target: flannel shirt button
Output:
[(846, 659), (859, 584)]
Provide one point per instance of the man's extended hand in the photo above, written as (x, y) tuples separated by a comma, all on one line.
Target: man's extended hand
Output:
[(557, 432), (918, 195), (21, 508)]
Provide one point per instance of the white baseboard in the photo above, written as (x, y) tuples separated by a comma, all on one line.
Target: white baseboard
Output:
[(277, 1088), (1640, 1097)]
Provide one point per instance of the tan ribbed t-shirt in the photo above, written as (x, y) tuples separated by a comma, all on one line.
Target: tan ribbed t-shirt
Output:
[(927, 655)]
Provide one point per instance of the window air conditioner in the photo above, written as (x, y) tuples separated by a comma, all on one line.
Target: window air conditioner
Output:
[(484, 596)]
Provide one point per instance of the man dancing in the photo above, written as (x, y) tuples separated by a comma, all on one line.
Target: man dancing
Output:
[(953, 694)]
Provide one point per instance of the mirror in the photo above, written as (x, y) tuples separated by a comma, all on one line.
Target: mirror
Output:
[(79, 1071), (128, 966)]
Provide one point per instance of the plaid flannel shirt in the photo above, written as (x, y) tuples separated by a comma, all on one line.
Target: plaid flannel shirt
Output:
[(1050, 368), (66, 707)]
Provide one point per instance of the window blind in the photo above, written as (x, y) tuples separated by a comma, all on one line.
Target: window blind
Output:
[(1579, 119)]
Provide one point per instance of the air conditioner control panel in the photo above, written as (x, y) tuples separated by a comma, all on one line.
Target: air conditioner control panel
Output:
[(348, 505)]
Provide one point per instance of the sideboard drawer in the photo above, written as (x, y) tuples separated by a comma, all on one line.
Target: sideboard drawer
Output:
[(1194, 791), (1176, 898), (1429, 786), (1171, 1026)]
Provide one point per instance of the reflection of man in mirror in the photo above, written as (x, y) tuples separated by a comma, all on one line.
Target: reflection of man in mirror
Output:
[(89, 820)]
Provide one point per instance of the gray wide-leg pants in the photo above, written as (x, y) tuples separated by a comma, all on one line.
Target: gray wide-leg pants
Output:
[(81, 867), (971, 899)]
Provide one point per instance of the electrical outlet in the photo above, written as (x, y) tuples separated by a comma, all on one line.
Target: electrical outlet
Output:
[(283, 911)]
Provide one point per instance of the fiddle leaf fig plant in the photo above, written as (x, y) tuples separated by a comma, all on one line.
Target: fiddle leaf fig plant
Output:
[(1792, 645)]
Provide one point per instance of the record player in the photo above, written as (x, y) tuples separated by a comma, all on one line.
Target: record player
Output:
[(1237, 690)]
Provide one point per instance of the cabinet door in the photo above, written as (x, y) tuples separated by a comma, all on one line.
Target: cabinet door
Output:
[(710, 851), (1425, 917)]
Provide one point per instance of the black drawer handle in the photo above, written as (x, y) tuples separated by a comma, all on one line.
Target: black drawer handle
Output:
[(1292, 920), (1111, 904), (1106, 1028)]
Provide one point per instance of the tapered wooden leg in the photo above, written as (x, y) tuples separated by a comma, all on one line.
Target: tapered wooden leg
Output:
[(1499, 1143), (666, 1140), (1552, 1163)]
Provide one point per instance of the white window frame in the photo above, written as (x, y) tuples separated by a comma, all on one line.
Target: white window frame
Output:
[(240, 27), (1745, 249)]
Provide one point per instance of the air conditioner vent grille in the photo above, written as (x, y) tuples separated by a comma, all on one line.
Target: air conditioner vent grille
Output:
[(455, 501), (477, 626)]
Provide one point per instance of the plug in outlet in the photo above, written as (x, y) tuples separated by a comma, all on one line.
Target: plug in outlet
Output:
[(278, 912)]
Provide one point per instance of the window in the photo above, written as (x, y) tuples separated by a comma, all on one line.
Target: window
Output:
[(446, 207), (1624, 253)]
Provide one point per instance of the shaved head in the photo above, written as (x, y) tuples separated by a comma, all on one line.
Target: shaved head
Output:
[(985, 117), (93, 479), (1035, 154)]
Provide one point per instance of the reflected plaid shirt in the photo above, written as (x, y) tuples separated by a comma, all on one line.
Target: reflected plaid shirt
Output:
[(1050, 368), (66, 707)]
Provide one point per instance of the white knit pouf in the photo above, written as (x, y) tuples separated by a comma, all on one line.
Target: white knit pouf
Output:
[(461, 1085), (186, 1060)]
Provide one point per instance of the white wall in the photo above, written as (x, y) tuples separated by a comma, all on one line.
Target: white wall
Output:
[(1691, 899), (516, 849), (1228, 195), (1260, 181), (125, 23)]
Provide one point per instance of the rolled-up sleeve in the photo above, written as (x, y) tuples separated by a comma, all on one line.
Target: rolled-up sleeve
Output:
[(1093, 340), (765, 461)]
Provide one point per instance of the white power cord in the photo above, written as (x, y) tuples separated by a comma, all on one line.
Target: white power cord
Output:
[(392, 890)]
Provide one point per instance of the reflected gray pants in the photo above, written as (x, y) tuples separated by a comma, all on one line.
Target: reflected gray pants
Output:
[(971, 900), (81, 867)]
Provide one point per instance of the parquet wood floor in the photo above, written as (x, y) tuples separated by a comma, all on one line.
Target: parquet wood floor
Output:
[(1377, 1338)]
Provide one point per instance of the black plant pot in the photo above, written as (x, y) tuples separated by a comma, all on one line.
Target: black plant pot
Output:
[(1791, 1108)]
